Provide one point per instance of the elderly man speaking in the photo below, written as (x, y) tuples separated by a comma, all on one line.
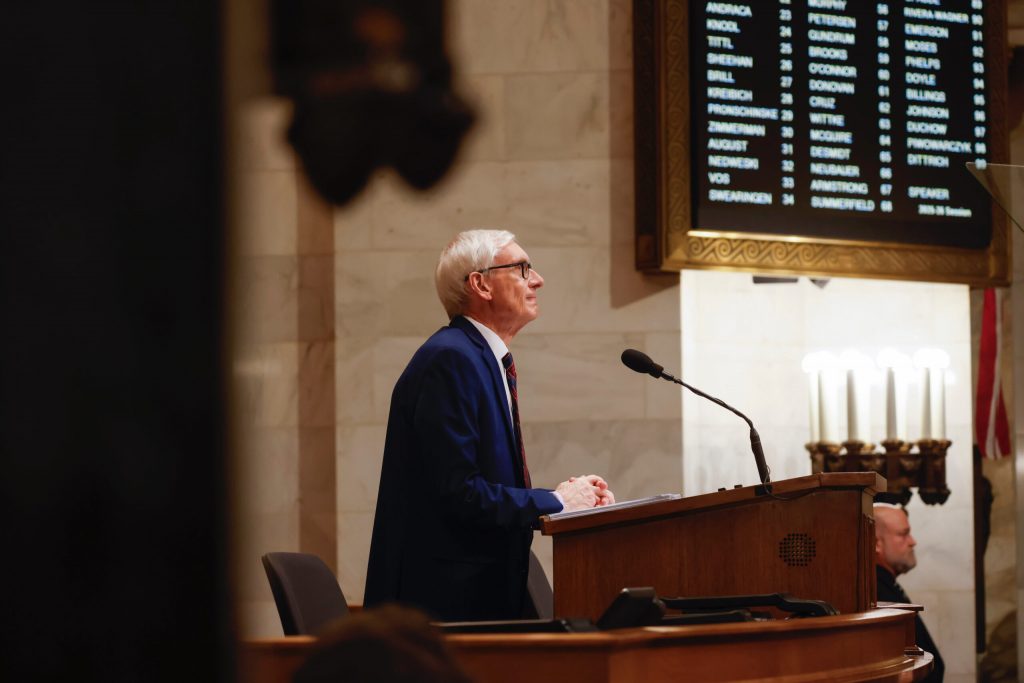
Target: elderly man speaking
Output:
[(456, 508)]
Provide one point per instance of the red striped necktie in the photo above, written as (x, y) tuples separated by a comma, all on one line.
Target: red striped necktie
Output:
[(510, 375)]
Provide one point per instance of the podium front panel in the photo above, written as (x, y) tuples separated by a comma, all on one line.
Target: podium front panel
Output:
[(816, 543)]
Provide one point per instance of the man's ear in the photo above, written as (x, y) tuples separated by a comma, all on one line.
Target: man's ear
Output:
[(479, 286)]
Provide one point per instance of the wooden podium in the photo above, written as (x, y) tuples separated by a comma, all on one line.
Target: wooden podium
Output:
[(813, 537), (850, 647)]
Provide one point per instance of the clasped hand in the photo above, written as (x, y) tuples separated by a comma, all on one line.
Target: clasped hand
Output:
[(585, 491)]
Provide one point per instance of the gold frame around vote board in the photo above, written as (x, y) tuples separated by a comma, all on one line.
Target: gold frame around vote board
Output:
[(665, 240)]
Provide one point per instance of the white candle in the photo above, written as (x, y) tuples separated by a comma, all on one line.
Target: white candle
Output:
[(814, 405), (864, 404), (829, 410), (926, 404), (938, 403), (902, 432), (853, 418), (891, 429)]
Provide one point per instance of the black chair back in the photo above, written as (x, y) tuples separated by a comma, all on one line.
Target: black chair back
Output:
[(306, 592), (541, 602)]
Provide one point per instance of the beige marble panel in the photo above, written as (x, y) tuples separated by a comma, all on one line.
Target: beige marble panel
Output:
[(596, 289), (620, 34), (942, 537), (354, 403), (266, 504), (316, 383), (267, 467), (390, 357), (575, 377), (387, 293), (353, 223), (663, 400), (315, 219), (622, 209), (620, 114), (318, 518), (366, 374), (271, 532), (360, 452), (314, 300), (949, 616), (559, 116), (259, 131), (486, 140), (267, 213), (472, 195), (265, 301), (515, 36), (637, 457), (265, 382), (354, 532), (559, 203)]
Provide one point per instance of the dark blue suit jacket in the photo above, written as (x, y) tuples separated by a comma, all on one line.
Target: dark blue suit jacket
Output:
[(453, 525)]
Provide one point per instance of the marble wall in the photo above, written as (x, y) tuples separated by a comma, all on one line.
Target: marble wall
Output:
[(744, 342), (282, 360), (550, 160)]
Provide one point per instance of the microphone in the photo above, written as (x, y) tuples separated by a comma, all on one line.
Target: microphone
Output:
[(638, 361)]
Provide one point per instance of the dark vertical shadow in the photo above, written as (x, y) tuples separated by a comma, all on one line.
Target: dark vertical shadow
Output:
[(111, 227)]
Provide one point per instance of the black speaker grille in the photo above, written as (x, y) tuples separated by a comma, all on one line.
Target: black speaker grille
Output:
[(797, 550)]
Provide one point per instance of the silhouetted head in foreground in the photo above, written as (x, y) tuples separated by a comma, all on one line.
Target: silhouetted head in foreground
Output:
[(390, 644), (371, 82)]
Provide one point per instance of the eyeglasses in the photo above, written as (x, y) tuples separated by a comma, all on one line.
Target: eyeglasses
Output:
[(525, 268)]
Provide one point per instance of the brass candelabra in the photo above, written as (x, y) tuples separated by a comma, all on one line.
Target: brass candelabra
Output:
[(905, 465)]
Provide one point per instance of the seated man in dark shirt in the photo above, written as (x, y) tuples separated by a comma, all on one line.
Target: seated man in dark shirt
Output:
[(894, 555)]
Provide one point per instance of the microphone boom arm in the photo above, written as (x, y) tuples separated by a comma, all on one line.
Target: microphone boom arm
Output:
[(763, 473), (638, 361)]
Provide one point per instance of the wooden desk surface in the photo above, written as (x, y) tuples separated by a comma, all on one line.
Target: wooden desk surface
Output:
[(869, 646)]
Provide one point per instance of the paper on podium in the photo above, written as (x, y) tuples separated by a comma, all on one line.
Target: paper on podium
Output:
[(615, 506)]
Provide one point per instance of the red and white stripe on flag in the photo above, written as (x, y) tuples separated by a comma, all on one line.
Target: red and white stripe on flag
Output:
[(991, 426)]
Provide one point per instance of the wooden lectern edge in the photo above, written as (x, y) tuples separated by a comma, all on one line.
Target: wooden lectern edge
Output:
[(664, 635), (871, 482), (907, 606), (625, 637)]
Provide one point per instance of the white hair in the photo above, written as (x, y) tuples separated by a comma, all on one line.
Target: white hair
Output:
[(470, 251)]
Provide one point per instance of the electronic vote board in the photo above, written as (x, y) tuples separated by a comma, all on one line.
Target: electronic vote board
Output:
[(842, 119)]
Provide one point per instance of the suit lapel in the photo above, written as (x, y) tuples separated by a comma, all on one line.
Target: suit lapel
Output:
[(497, 384)]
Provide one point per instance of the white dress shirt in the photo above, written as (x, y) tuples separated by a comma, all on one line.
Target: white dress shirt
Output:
[(499, 349)]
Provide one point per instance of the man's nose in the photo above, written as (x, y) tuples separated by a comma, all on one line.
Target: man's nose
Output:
[(911, 541), (536, 281)]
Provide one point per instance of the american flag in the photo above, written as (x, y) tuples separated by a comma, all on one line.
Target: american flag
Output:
[(991, 426)]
